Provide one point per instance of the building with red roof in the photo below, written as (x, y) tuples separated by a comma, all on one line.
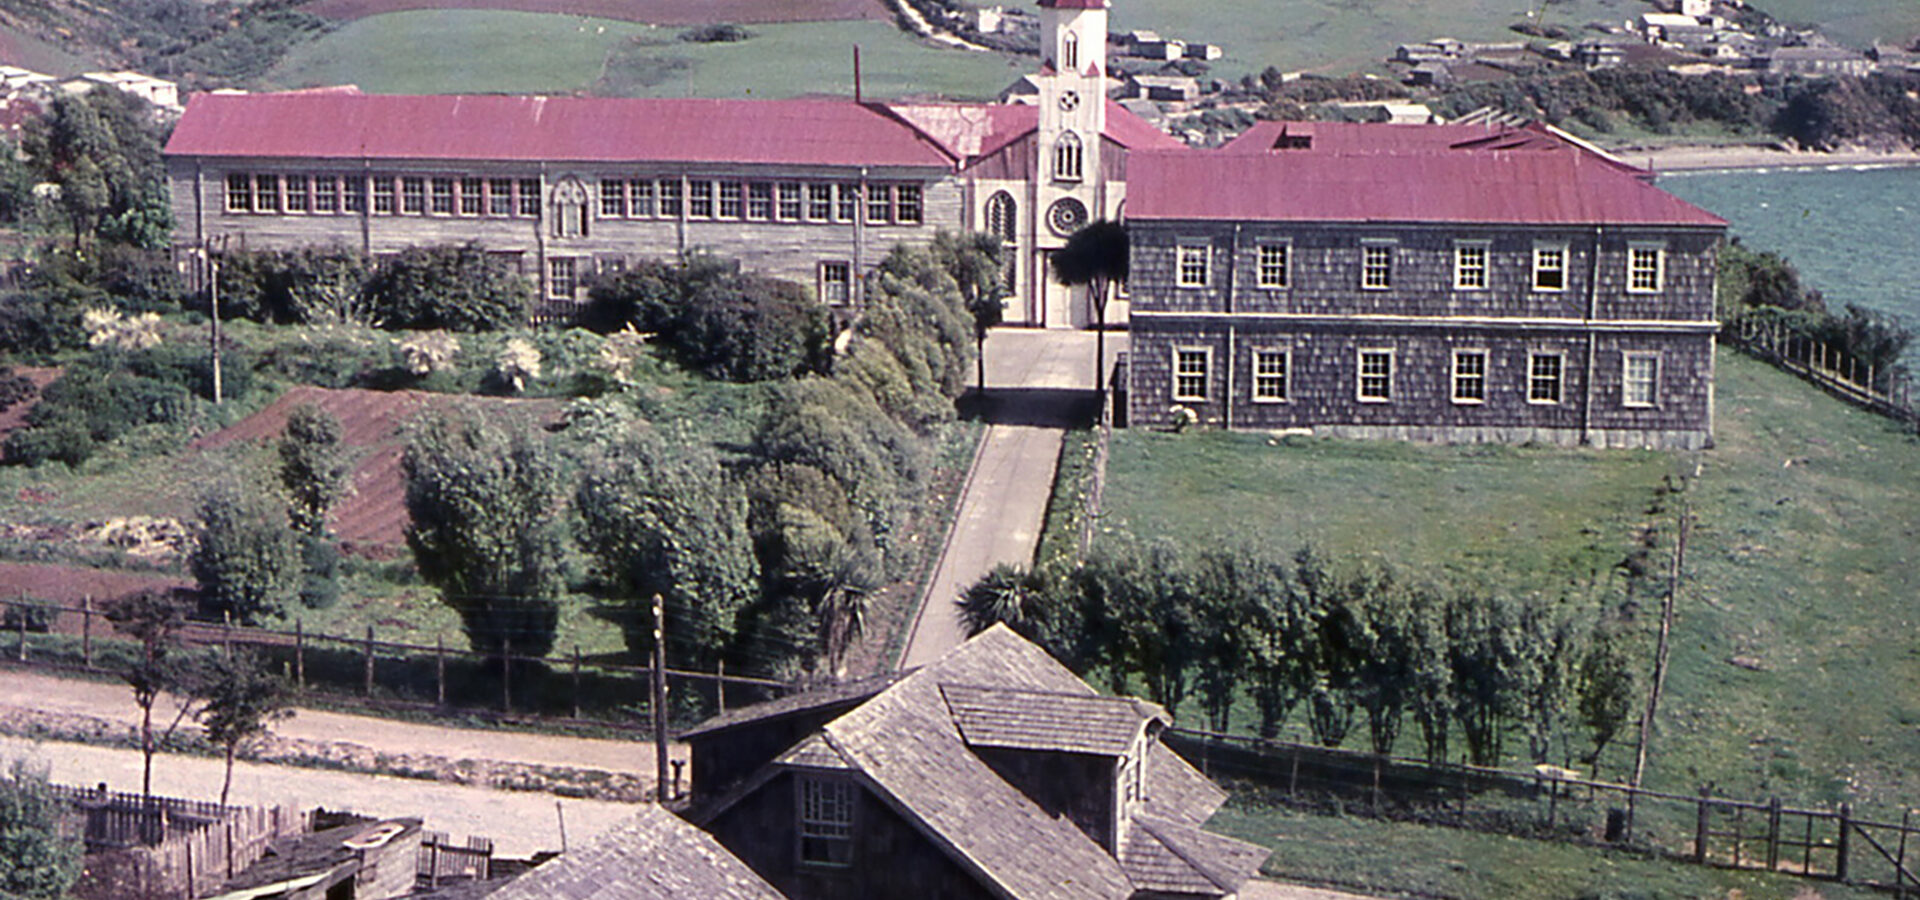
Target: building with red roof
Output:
[(1447, 283), (816, 191)]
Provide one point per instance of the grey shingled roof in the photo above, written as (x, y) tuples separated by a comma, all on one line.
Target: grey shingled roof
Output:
[(819, 698), (813, 753), (1178, 791), (1048, 720), (1220, 862), (653, 855)]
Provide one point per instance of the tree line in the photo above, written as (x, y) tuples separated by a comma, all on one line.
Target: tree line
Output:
[(1333, 646), (1763, 286)]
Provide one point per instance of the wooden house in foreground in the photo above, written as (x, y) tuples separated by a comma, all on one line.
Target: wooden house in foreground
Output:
[(991, 773)]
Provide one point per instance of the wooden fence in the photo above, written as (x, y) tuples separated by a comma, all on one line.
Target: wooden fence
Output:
[(1888, 391), (391, 673), (443, 859), (1831, 844), (165, 847)]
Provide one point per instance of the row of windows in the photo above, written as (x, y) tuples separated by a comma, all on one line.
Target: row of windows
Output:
[(628, 198), (1472, 264), (1374, 376), (567, 274)]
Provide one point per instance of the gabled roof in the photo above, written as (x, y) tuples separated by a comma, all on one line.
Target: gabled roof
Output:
[(1177, 858), (1498, 187), (655, 855), (970, 131), (566, 129), (910, 745), (822, 698), (1049, 720)]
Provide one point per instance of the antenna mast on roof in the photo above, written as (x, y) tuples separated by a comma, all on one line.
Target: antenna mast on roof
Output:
[(858, 96)]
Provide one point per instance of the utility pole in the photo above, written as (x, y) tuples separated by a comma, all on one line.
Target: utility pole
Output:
[(1660, 658), (213, 310), (661, 789)]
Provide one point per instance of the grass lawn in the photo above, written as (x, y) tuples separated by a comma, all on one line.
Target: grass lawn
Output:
[(1855, 23), (480, 51), (1801, 564), (1409, 859)]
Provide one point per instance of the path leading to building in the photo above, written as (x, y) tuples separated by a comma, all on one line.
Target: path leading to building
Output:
[(519, 822), (1037, 382)]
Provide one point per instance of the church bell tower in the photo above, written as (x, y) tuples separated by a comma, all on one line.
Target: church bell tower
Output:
[(1068, 189)]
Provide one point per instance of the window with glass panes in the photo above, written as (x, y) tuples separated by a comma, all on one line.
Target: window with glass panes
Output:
[(296, 186), (266, 193), (383, 195), (1191, 265), (1273, 265), (1469, 376), (846, 204), (326, 194), (819, 202), (239, 193), (1375, 376), (879, 203), (563, 276), (530, 197), (1190, 373), (640, 197), (353, 193), (473, 194), (906, 204), (836, 282), (670, 204), (1544, 371), (1470, 267), (1640, 379), (1550, 267), (1269, 376), (613, 199), (730, 200), (500, 197), (700, 199), (413, 195), (789, 201), (760, 201), (826, 820), (1643, 269), (1376, 266), (442, 196)]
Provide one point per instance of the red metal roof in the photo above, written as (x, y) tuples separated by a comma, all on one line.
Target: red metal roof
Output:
[(1557, 187), (969, 131), (1354, 137), (575, 129)]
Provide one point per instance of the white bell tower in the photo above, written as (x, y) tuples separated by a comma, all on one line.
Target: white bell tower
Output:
[(1068, 189)]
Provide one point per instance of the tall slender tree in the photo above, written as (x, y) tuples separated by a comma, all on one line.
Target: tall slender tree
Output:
[(1099, 257), (239, 702)]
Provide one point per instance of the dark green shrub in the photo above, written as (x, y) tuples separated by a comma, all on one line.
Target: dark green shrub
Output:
[(15, 389), (646, 297), (753, 328), (190, 366), (460, 288), (96, 401), (320, 581), (716, 33)]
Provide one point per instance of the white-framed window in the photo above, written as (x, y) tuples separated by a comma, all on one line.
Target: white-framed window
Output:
[(1640, 379), (1376, 266), (1274, 259), (1550, 267), (879, 204), (906, 204), (730, 200), (819, 202), (413, 195), (1469, 376), (760, 201), (529, 197), (613, 198), (1067, 157), (563, 277), (1190, 368), (1470, 266), (500, 196), (826, 812), (326, 193), (846, 202), (383, 196), (640, 198), (296, 187), (571, 202), (473, 195), (1374, 383), (442, 196), (1545, 373), (836, 282), (700, 199), (239, 192), (1270, 368), (353, 193), (1645, 265), (266, 193), (1192, 264), (670, 198)]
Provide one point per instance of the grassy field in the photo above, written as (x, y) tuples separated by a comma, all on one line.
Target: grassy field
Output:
[(1801, 564), (1856, 23), (28, 52), (470, 51)]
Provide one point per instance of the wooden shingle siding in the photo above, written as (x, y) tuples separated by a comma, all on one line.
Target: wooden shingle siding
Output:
[(1323, 319)]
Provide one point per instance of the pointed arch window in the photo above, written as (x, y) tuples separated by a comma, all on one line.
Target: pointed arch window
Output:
[(570, 209), (1067, 157), (1003, 223), (1069, 52)]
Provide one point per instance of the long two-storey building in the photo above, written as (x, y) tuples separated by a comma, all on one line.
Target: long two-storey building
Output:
[(1444, 283)]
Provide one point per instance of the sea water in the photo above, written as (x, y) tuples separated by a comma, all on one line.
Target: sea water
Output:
[(1853, 232)]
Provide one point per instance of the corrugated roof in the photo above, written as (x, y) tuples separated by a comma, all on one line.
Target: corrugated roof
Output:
[(1357, 137), (969, 131), (1048, 720), (655, 855), (566, 129), (1557, 187)]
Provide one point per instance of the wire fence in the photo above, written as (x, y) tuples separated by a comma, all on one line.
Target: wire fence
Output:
[(565, 686), (1887, 390), (1554, 803)]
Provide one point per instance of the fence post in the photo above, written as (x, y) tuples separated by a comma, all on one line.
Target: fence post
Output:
[(506, 675), (1773, 833), (1900, 863), (1700, 829), (366, 678), (1376, 786), (21, 620), (86, 630), (1293, 775), (1846, 839), (720, 687), (226, 633), (299, 656), (576, 681), (440, 670)]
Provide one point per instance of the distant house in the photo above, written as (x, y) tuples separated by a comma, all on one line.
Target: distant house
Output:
[(655, 855), (1599, 54), (158, 92), (1818, 61), (991, 773), (1204, 52), (1163, 88)]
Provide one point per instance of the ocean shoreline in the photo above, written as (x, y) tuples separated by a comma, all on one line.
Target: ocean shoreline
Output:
[(1750, 158)]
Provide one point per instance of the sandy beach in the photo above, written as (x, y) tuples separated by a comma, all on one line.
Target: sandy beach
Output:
[(1750, 156)]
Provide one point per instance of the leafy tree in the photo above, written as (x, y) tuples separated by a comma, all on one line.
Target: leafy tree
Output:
[(102, 151), (320, 285), (660, 517), (977, 262), (1007, 594), (1485, 640), (1546, 660), (1282, 656), (246, 558), (830, 425), (1338, 644), (746, 327), (313, 468), (239, 702), (485, 530), (1607, 686), (1230, 587), (648, 297), (1384, 652), (818, 563), (153, 617), (456, 287), (1430, 670), (37, 859), (1097, 256)]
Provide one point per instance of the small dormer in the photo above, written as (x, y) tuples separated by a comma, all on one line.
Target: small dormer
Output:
[(1294, 136), (1079, 756)]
